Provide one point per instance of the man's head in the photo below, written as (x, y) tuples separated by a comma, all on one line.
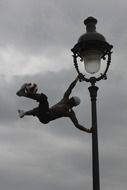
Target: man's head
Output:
[(74, 101)]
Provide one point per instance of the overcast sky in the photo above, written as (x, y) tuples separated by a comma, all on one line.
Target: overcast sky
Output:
[(35, 41)]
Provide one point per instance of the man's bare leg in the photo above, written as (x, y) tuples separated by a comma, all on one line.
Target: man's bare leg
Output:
[(32, 112)]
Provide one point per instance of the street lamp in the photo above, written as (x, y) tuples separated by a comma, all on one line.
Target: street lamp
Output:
[(92, 48)]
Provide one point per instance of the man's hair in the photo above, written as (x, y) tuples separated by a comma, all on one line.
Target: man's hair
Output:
[(74, 101)]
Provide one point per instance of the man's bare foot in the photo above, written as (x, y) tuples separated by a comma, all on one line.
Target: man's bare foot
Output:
[(23, 90), (21, 113)]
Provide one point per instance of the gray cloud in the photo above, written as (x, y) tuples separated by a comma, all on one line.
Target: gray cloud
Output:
[(33, 26), (57, 155), (57, 152)]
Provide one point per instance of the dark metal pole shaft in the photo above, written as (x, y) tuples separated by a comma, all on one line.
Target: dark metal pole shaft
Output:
[(95, 153)]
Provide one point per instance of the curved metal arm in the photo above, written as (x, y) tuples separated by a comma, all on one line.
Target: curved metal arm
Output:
[(93, 80)]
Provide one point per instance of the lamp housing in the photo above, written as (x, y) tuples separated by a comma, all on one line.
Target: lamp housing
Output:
[(91, 48)]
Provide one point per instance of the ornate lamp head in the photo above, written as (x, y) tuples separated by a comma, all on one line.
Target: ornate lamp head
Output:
[(91, 48)]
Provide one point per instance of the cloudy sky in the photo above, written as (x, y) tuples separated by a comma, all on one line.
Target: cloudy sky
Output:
[(35, 41)]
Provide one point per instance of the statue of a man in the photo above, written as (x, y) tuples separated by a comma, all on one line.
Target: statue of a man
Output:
[(45, 114)]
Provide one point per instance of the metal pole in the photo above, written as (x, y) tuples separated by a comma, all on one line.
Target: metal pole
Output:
[(95, 153)]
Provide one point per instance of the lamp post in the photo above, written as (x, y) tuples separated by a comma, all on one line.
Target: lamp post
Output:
[(92, 48)]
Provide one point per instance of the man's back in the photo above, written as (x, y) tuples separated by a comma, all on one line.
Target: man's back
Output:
[(61, 109)]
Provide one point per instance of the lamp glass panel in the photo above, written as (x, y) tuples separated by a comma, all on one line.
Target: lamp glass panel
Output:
[(92, 61)]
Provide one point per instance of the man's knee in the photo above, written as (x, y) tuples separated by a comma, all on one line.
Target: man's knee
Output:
[(41, 97)]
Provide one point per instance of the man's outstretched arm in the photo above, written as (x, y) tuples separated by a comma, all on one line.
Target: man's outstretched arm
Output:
[(70, 88), (73, 118)]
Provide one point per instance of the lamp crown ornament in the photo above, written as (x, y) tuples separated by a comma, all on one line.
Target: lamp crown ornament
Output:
[(90, 23), (91, 33)]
